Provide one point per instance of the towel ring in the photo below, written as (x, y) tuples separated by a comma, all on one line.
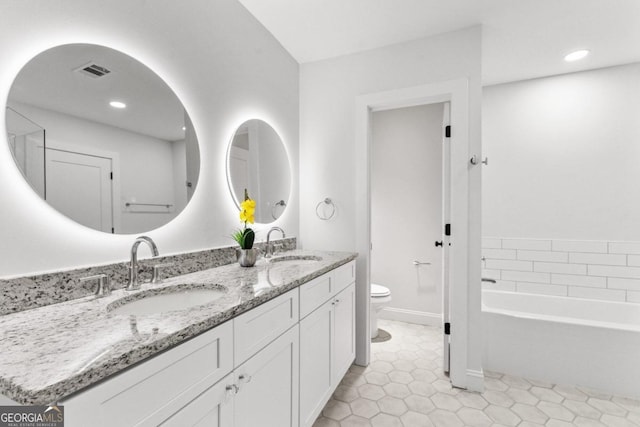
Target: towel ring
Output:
[(326, 201), (275, 205)]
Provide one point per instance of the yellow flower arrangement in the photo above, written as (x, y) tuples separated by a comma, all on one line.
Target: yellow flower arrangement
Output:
[(245, 236), (247, 211)]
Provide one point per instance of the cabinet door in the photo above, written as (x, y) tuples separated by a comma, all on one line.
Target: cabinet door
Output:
[(213, 408), (316, 349), (344, 342), (268, 385)]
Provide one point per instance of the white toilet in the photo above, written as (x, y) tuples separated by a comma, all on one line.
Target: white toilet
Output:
[(380, 298)]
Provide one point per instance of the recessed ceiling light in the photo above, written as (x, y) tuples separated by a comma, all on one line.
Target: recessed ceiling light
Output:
[(118, 104), (184, 128), (577, 55)]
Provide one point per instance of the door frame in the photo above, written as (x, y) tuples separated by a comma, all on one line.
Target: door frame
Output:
[(456, 92)]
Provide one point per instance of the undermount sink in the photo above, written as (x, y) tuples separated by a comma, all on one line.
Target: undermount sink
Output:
[(297, 259), (171, 298)]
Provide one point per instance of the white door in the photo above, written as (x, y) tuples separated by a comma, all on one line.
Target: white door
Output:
[(79, 186), (446, 206)]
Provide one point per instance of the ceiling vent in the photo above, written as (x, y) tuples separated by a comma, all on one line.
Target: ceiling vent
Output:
[(93, 70)]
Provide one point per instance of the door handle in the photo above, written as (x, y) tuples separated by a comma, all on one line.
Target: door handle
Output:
[(439, 243)]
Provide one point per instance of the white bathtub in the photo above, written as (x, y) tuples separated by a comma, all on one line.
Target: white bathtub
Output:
[(563, 340)]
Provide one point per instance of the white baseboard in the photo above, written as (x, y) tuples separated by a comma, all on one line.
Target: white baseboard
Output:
[(411, 316), (475, 380)]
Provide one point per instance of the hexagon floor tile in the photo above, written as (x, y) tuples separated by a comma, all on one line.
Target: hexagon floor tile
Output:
[(404, 386)]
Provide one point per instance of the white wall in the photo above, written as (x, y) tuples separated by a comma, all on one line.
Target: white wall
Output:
[(327, 106), (406, 210), (222, 64), (563, 157), (328, 91), (560, 205)]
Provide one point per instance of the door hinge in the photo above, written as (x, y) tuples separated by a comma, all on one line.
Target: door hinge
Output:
[(447, 328), (447, 229), (111, 176), (113, 230), (447, 131)]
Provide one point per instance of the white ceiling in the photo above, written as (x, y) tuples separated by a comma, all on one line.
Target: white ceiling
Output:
[(521, 39), (50, 81)]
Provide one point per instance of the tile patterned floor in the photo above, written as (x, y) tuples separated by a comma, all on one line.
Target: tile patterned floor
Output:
[(404, 386)]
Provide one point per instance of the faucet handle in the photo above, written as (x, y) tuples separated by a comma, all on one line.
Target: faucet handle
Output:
[(104, 284), (277, 247), (155, 277)]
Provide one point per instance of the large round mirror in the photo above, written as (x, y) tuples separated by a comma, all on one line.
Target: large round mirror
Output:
[(257, 161), (102, 138)]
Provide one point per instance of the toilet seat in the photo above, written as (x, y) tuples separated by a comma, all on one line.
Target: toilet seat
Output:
[(379, 291)]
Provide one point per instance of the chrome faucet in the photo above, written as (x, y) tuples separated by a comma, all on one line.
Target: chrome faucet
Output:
[(269, 251), (133, 284)]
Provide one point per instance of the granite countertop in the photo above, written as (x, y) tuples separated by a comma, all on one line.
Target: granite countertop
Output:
[(50, 352)]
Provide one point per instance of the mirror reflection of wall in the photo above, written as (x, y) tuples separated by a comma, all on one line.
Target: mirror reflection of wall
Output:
[(258, 161), (121, 170)]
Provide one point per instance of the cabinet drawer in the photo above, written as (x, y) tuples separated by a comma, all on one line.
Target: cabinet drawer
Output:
[(319, 290), (315, 293), (259, 326), (147, 394), (343, 276)]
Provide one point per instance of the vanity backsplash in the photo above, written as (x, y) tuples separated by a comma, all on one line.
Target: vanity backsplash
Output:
[(29, 292)]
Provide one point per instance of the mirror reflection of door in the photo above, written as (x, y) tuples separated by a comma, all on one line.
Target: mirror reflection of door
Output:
[(239, 164), (239, 160), (79, 186)]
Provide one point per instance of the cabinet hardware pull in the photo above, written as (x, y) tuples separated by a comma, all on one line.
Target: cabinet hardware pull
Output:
[(231, 389), (245, 378)]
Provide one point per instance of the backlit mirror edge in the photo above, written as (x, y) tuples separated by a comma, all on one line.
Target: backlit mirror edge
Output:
[(26, 57), (285, 146)]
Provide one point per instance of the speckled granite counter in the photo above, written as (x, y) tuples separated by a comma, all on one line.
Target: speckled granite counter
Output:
[(50, 352)]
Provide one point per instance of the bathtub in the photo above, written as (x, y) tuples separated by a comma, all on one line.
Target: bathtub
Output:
[(595, 344)]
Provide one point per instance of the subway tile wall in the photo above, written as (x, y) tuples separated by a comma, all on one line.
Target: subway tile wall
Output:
[(575, 268)]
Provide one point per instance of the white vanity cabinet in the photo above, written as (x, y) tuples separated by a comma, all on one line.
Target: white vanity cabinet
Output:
[(262, 390), (153, 391), (266, 364), (327, 338), (275, 365)]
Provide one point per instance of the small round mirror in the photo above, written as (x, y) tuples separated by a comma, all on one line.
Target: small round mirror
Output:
[(257, 161), (102, 138)]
